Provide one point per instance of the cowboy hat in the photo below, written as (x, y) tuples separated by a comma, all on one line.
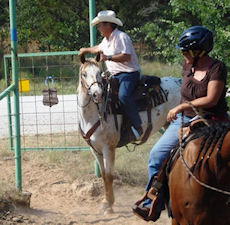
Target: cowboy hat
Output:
[(106, 16)]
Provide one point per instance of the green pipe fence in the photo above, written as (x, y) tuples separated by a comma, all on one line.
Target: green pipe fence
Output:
[(17, 152), (12, 83)]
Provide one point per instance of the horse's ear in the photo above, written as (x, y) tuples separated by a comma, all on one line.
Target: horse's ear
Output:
[(82, 58), (98, 56)]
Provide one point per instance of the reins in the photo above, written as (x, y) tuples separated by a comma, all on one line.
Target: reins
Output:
[(181, 149), (89, 134)]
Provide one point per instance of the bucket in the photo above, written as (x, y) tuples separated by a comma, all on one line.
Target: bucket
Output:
[(24, 85)]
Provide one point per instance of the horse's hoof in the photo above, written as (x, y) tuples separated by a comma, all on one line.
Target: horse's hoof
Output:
[(106, 208), (108, 211)]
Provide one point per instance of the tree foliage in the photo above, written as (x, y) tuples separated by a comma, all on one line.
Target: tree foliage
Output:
[(154, 25), (53, 25), (4, 32), (163, 32)]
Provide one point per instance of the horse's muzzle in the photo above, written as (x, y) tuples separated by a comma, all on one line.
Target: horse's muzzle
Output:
[(97, 98)]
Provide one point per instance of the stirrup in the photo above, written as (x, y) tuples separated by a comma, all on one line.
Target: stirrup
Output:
[(151, 214)]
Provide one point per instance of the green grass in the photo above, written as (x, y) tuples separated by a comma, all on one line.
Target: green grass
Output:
[(2, 85), (159, 69)]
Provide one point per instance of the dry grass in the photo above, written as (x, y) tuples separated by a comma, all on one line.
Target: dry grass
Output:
[(130, 166), (160, 69), (54, 140), (4, 149), (2, 85), (67, 84), (9, 195)]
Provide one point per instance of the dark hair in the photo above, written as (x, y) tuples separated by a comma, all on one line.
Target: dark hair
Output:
[(196, 38), (113, 25)]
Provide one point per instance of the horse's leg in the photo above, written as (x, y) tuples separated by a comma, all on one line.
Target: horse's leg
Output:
[(174, 222), (109, 157), (106, 164)]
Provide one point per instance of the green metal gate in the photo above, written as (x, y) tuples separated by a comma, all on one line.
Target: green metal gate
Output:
[(12, 63), (46, 127)]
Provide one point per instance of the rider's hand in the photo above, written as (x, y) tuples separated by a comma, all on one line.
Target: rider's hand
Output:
[(172, 114), (82, 51), (103, 57)]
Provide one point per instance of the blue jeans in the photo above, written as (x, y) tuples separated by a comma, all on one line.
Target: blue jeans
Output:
[(161, 150), (128, 82)]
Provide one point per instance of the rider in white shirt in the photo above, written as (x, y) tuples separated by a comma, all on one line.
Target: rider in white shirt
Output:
[(121, 60)]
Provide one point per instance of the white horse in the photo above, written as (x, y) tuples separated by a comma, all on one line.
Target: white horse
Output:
[(102, 135)]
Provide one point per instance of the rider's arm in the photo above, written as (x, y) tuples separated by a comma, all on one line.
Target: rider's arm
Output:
[(116, 58), (214, 91), (91, 50)]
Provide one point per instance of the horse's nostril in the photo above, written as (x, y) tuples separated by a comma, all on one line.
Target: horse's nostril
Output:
[(94, 95)]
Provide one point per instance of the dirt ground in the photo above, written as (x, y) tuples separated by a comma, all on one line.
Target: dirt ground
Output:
[(56, 200)]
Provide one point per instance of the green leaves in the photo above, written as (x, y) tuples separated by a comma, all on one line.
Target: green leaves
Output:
[(154, 26), (173, 17), (51, 24)]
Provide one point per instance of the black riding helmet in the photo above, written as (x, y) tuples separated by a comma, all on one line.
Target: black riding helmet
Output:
[(196, 38)]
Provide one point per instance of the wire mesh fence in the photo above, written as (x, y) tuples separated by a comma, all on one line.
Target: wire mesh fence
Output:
[(48, 102)]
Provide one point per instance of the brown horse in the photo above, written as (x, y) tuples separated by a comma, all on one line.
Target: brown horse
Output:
[(199, 182)]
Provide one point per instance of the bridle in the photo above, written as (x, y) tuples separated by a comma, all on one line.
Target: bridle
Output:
[(91, 85), (88, 89), (89, 133)]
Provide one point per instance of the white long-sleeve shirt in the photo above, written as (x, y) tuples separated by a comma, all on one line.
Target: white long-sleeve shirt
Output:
[(119, 43)]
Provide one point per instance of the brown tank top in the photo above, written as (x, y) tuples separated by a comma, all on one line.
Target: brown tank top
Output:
[(192, 89)]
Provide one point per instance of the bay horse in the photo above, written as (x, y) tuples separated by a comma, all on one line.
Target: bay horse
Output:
[(199, 182), (102, 135)]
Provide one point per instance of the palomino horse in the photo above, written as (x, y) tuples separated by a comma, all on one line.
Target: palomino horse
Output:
[(102, 135), (199, 181)]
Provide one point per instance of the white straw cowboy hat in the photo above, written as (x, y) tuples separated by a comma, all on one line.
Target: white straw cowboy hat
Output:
[(106, 16)]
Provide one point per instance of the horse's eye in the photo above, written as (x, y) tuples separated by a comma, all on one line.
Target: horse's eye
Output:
[(84, 75)]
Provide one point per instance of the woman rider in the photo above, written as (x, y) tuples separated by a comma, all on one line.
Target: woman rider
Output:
[(204, 86)]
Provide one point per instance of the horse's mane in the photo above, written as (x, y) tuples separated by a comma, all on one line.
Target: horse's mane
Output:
[(211, 136)]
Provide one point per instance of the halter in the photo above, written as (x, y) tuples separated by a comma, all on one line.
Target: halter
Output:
[(90, 86)]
